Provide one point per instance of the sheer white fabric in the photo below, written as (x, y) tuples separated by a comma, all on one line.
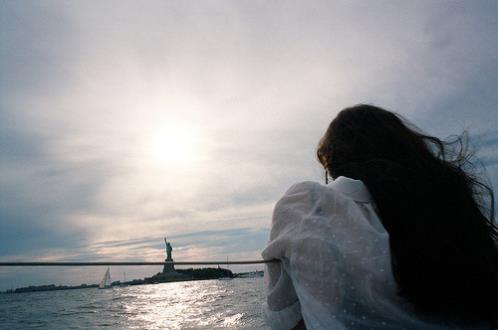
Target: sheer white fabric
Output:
[(335, 270)]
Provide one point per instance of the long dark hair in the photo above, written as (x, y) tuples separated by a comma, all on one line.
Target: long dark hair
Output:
[(431, 201)]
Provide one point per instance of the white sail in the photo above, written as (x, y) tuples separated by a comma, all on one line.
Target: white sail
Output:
[(106, 281)]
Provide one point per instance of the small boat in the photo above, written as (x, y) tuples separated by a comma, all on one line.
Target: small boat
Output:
[(106, 281)]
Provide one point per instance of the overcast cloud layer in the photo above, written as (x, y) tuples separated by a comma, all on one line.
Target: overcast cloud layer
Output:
[(84, 84)]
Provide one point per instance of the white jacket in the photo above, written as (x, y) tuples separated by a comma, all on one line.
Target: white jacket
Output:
[(335, 269)]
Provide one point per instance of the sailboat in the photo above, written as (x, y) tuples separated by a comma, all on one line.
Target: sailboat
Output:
[(106, 281)]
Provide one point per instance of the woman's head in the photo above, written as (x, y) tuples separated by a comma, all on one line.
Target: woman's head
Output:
[(442, 238), (365, 134)]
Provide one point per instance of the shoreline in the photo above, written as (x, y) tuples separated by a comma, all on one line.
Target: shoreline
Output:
[(145, 281)]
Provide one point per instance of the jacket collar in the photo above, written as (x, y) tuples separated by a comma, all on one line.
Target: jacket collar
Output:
[(352, 188)]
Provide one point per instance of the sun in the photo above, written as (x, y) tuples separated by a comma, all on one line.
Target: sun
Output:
[(173, 144)]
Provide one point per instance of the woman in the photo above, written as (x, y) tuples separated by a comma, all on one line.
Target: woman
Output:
[(401, 238)]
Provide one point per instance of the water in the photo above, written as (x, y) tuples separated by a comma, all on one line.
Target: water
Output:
[(235, 304)]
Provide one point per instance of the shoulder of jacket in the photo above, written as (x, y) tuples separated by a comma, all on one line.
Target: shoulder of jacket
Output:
[(304, 186), (303, 193)]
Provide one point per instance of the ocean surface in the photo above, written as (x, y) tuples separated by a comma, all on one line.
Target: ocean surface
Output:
[(233, 304)]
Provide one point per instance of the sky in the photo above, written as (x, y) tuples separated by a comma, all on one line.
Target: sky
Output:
[(122, 122)]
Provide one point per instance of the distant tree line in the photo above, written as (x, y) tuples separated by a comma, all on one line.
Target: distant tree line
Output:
[(51, 287)]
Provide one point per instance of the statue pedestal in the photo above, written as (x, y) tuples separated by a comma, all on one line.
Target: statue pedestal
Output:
[(168, 267)]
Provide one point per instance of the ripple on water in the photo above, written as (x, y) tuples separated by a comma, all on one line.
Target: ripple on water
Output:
[(197, 304)]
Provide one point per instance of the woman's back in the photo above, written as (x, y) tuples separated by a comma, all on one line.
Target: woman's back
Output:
[(335, 270)]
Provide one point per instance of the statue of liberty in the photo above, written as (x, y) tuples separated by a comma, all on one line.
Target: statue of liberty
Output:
[(168, 267), (168, 250)]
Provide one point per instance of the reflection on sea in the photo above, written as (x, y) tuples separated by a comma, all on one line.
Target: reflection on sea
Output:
[(195, 304)]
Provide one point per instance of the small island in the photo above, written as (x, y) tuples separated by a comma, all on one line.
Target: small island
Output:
[(170, 274)]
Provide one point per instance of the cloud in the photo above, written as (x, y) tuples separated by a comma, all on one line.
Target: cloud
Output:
[(225, 239)]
